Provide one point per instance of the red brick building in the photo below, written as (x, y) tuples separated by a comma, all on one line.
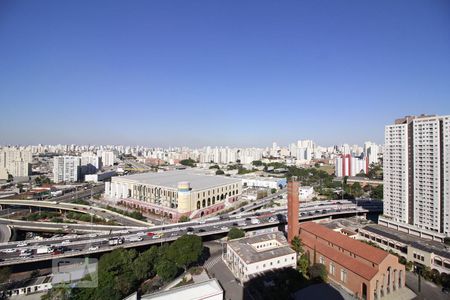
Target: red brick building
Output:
[(365, 271)]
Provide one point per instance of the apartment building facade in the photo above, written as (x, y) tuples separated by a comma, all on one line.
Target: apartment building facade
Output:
[(417, 173)]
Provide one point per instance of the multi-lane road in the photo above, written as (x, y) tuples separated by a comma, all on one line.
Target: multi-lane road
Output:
[(11, 253), (93, 210)]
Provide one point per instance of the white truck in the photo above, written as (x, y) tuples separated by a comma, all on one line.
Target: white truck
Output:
[(254, 221), (56, 193), (44, 250)]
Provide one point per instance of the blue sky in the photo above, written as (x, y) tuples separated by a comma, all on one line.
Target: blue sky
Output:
[(237, 73)]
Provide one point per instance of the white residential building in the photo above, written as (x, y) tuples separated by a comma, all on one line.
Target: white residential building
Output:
[(92, 162), (371, 151), (347, 165), (15, 162), (250, 256), (66, 168), (417, 172), (108, 157)]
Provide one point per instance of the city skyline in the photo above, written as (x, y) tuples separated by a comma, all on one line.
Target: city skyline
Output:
[(155, 75)]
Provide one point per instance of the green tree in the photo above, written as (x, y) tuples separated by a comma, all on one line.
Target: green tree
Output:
[(58, 292), (220, 172), (377, 192), (296, 245), (116, 277), (318, 271), (144, 264), (166, 269), (273, 191), (303, 263), (235, 233), (214, 167), (186, 250), (188, 162), (357, 190), (184, 219), (257, 163)]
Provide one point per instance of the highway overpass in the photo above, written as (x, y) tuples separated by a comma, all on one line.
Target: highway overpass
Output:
[(82, 245), (97, 211)]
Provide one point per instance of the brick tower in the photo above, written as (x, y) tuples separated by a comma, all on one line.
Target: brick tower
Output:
[(293, 207)]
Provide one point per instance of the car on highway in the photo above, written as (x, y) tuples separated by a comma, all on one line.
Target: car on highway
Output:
[(26, 253), (65, 242), (272, 219), (255, 221), (156, 236), (189, 233), (150, 234), (190, 229), (9, 250), (115, 241), (224, 228), (93, 248), (135, 239), (22, 244)]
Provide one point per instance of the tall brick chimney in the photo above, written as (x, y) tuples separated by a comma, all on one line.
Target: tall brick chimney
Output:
[(293, 207)]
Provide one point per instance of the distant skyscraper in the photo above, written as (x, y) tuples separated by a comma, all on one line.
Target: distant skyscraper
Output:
[(416, 172)]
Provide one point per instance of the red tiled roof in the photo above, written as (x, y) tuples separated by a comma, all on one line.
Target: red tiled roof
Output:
[(360, 249), (349, 263)]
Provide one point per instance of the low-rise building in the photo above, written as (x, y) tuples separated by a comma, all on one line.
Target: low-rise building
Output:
[(306, 192), (251, 180), (421, 251), (99, 176), (362, 270), (249, 257), (175, 193), (205, 290)]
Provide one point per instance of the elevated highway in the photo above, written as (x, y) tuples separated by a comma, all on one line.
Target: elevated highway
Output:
[(92, 244), (97, 211), (63, 227)]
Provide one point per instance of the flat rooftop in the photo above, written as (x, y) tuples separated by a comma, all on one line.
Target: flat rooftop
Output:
[(170, 179), (423, 244), (201, 290), (244, 249)]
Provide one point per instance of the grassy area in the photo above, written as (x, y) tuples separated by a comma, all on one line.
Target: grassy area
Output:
[(135, 214), (87, 218)]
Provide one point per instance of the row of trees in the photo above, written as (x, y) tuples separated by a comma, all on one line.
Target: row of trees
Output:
[(122, 271), (188, 162), (315, 271)]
